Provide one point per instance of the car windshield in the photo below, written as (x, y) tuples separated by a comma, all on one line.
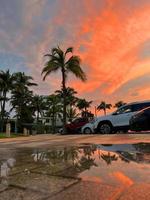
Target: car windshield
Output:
[(124, 109), (93, 120)]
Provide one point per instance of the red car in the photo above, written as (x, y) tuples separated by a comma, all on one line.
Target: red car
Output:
[(75, 126)]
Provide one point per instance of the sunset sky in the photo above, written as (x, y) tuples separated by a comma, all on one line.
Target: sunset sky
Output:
[(112, 38)]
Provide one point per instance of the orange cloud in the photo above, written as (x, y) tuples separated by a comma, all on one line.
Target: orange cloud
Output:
[(113, 49), (111, 41), (108, 35)]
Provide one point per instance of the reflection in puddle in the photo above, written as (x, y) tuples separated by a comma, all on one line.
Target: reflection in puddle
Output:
[(111, 164)]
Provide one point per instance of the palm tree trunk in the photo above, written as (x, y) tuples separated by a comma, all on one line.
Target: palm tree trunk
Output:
[(104, 111), (37, 118), (64, 99), (3, 111)]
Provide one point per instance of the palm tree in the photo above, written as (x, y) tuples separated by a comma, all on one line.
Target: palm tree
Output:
[(54, 109), (21, 99), (22, 81), (119, 104), (103, 106), (5, 86), (72, 113), (57, 60), (71, 101), (21, 102), (38, 105), (83, 105), (70, 96)]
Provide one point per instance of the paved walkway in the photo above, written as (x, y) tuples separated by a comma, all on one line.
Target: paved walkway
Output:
[(25, 179), (54, 140)]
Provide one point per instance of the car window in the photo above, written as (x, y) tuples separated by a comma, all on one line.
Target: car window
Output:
[(82, 120), (125, 109), (76, 121), (138, 107)]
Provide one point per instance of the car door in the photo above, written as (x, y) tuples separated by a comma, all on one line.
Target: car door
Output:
[(122, 116), (81, 123)]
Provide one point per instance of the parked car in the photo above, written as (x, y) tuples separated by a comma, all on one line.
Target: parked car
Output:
[(75, 126), (89, 127), (141, 120), (117, 121)]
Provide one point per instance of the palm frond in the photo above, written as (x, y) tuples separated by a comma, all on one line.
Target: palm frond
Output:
[(69, 50), (73, 65), (57, 51), (49, 67)]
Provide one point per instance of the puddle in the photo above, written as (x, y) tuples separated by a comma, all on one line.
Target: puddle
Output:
[(49, 171)]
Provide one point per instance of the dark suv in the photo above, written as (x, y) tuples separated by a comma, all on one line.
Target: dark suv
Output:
[(141, 120)]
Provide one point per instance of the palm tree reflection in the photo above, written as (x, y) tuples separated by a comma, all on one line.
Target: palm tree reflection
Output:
[(109, 158), (74, 160)]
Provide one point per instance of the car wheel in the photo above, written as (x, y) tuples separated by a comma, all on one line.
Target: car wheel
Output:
[(105, 128), (87, 131)]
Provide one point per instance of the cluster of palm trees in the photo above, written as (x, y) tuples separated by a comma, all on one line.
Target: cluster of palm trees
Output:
[(104, 106), (16, 95), (18, 100), (67, 63), (15, 91)]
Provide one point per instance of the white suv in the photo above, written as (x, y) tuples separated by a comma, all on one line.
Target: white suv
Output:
[(117, 121)]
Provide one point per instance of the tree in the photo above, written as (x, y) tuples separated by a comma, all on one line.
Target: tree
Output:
[(54, 109), (104, 106), (71, 99), (58, 60), (21, 103), (38, 105), (22, 81), (21, 99), (72, 113), (119, 104), (83, 105), (6, 80)]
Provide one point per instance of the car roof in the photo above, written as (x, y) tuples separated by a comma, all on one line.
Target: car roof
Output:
[(147, 108), (134, 103)]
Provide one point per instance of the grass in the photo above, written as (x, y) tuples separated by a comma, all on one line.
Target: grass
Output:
[(12, 135)]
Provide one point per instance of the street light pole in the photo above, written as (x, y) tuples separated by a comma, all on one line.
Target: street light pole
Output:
[(95, 111)]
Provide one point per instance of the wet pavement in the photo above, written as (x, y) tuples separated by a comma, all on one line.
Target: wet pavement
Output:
[(76, 170)]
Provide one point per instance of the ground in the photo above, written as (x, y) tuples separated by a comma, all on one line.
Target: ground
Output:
[(54, 167)]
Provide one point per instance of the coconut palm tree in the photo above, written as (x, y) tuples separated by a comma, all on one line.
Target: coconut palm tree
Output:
[(38, 105), (104, 106), (21, 99), (83, 105), (58, 60), (71, 99), (21, 102), (119, 104), (54, 109), (22, 81), (5, 86), (72, 113)]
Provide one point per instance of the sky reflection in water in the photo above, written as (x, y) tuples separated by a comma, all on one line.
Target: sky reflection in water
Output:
[(112, 164)]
